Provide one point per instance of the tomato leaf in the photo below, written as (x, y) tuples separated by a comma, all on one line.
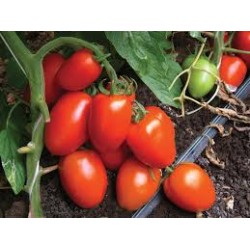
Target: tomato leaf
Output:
[(11, 138), (197, 35), (12, 162), (15, 76), (145, 53)]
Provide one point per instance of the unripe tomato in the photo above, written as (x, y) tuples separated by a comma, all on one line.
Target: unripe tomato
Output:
[(190, 188), (241, 40), (113, 159), (84, 178), (232, 70), (67, 130), (152, 139), (51, 64), (136, 184), (201, 82), (79, 71), (109, 121)]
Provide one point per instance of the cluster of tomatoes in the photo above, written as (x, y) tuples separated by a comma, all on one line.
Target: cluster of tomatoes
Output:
[(232, 70), (111, 130), (94, 133)]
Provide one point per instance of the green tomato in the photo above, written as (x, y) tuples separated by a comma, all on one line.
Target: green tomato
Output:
[(201, 82)]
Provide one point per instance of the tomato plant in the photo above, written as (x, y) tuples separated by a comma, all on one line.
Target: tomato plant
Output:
[(113, 159), (241, 40), (67, 130), (152, 139), (136, 183), (190, 188), (109, 121), (83, 177), (232, 70), (79, 71), (202, 78), (113, 118)]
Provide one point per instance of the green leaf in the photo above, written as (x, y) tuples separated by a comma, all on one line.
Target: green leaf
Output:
[(145, 53), (11, 138), (12, 162), (15, 76), (197, 35)]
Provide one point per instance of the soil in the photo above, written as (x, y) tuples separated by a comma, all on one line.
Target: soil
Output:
[(232, 184)]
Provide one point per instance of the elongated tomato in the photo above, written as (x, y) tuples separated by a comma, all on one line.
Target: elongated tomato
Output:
[(109, 121), (84, 178), (67, 130), (152, 140)]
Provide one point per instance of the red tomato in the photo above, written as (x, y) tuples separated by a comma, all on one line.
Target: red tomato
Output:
[(51, 64), (109, 121), (241, 40), (84, 178), (136, 184), (190, 188), (232, 70), (113, 159), (152, 140), (79, 71), (67, 130)]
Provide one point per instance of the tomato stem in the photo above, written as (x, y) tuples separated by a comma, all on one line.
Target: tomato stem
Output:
[(49, 169), (218, 47), (232, 50), (72, 42), (31, 65), (102, 89)]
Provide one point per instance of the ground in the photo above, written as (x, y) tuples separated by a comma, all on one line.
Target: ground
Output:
[(232, 184)]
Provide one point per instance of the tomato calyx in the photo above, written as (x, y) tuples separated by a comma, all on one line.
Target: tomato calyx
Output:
[(122, 86), (138, 112)]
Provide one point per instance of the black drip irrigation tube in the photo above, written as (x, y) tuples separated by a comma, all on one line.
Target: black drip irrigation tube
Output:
[(194, 150)]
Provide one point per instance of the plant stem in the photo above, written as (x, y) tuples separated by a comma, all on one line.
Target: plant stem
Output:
[(49, 169), (218, 47), (232, 50), (32, 68), (18, 50), (75, 42)]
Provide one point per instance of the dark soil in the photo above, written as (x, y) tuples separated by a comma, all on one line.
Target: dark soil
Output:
[(233, 181)]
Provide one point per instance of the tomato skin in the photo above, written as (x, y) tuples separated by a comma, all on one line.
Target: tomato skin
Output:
[(84, 178), (152, 140), (67, 130), (113, 159), (51, 64), (232, 70), (241, 40), (109, 121), (190, 188), (135, 185), (201, 82), (79, 71)]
